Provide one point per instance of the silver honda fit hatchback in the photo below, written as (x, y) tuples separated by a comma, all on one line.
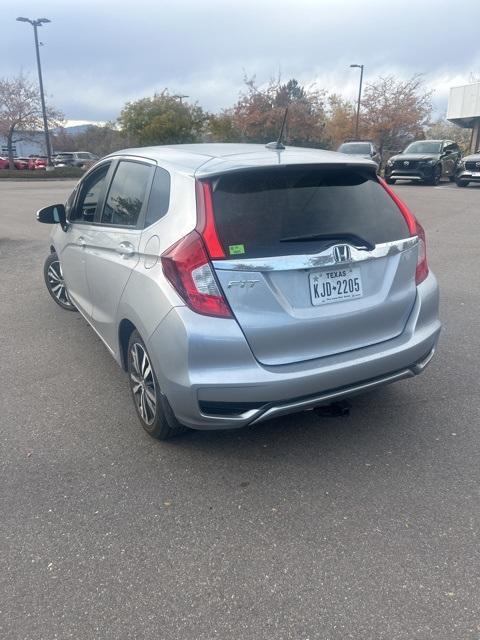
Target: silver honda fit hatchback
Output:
[(235, 282)]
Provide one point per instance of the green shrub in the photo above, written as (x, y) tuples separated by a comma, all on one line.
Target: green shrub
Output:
[(40, 174)]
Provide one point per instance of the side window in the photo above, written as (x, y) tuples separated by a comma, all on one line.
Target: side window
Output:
[(126, 194), (159, 199), (91, 192)]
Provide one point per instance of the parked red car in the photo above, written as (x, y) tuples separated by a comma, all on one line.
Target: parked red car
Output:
[(20, 163), (39, 162), (24, 163)]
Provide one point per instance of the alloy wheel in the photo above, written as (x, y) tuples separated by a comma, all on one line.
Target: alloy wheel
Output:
[(143, 383), (57, 283)]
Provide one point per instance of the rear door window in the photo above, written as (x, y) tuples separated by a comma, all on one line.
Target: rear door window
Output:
[(295, 210), (127, 193)]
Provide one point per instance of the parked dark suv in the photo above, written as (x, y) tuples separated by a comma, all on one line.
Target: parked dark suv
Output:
[(426, 161)]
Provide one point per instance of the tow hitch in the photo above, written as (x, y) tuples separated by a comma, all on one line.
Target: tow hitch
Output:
[(338, 409)]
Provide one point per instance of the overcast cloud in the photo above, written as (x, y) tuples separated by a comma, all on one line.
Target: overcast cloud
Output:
[(99, 54)]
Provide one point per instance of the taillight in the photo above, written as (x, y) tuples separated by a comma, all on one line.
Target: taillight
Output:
[(415, 229), (187, 267), (206, 220)]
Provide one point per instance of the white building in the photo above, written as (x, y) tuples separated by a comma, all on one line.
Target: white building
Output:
[(464, 110), (33, 143)]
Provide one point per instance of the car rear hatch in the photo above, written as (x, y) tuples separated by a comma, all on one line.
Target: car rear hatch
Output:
[(320, 259)]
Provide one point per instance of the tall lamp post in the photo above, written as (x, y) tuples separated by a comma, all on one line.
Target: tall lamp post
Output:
[(358, 66), (35, 24)]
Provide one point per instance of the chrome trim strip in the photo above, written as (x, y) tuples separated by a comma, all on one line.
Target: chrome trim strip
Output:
[(326, 398), (402, 176), (324, 259)]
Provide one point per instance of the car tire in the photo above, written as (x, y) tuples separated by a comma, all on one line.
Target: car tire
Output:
[(52, 273), (461, 183), (153, 409), (390, 180), (437, 175)]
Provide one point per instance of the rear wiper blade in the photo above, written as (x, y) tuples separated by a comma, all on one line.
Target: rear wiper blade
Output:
[(351, 238)]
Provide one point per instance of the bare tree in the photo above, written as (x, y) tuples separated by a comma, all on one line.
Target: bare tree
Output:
[(21, 111)]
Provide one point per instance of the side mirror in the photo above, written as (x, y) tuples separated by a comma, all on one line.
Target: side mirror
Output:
[(53, 214)]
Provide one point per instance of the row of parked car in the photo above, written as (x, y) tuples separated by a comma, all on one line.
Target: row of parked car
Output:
[(80, 159), (423, 161), (32, 162)]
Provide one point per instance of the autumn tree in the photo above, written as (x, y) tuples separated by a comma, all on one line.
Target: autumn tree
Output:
[(162, 119), (21, 112), (222, 127), (340, 121), (258, 114), (394, 112), (442, 129)]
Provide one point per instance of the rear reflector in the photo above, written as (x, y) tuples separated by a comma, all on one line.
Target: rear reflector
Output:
[(187, 267), (415, 229)]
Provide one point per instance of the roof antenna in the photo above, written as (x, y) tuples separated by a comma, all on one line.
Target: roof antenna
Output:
[(278, 145)]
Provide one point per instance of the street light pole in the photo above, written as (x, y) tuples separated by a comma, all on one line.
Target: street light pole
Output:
[(35, 24), (358, 66)]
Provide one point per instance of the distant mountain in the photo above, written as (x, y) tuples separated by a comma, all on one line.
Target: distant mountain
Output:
[(75, 129)]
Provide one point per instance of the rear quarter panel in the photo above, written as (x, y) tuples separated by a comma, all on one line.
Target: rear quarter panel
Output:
[(148, 296)]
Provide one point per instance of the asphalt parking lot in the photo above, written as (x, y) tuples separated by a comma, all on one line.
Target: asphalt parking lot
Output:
[(363, 527)]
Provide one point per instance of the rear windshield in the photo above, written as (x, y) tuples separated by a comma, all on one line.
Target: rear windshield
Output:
[(354, 147), (294, 210), (426, 146)]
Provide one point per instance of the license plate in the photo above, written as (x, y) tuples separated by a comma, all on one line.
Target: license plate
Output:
[(335, 285), (475, 174)]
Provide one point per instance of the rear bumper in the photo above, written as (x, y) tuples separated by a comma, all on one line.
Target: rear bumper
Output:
[(212, 380), (303, 404)]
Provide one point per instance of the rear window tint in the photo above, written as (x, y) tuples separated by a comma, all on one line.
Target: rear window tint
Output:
[(271, 212), (159, 199)]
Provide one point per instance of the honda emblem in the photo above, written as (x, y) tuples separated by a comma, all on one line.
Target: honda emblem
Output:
[(342, 253)]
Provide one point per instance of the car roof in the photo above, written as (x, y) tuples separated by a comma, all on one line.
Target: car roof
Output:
[(205, 159), (431, 140)]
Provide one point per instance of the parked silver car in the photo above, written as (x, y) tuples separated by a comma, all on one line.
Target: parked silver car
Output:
[(236, 283), (74, 159), (362, 148), (468, 170)]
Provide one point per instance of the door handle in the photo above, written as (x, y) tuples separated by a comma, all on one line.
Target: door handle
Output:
[(81, 242), (126, 249)]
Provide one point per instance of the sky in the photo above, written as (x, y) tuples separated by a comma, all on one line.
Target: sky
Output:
[(99, 54)]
